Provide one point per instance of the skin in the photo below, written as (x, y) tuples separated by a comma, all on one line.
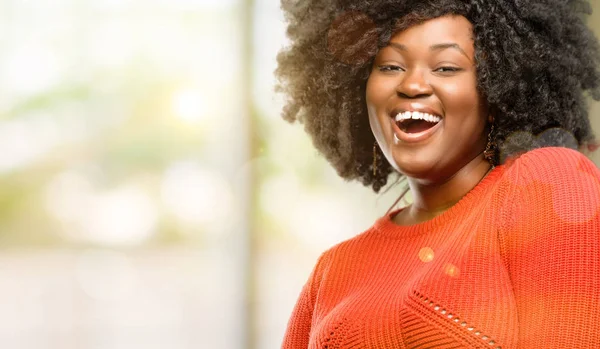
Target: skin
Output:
[(431, 65)]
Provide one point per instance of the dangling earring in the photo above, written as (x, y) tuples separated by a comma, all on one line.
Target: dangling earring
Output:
[(490, 149), (375, 159)]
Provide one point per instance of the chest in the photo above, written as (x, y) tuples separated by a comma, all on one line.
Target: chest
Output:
[(434, 293)]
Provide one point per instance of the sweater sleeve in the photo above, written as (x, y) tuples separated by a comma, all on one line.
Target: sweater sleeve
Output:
[(298, 331), (551, 242)]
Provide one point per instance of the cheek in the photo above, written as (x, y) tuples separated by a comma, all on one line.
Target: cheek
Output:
[(465, 111), (459, 92), (378, 93), (462, 100), (371, 96), (379, 90), (376, 126), (375, 99)]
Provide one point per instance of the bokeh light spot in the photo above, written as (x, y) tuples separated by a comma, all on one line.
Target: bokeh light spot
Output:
[(17, 135), (125, 216), (195, 195), (189, 105), (67, 196), (426, 254), (32, 67), (451, 270)]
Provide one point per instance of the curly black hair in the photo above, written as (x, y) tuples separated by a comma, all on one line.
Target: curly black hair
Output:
[(537, 61)]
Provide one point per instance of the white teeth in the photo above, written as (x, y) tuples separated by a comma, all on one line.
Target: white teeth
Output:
[(417, 116)]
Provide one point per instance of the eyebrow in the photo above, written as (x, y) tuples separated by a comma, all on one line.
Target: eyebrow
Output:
[(436, 47)]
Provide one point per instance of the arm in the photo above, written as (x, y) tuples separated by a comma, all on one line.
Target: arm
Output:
[(551, 243)]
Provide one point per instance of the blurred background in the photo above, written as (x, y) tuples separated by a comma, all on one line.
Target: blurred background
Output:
[(150, 194)]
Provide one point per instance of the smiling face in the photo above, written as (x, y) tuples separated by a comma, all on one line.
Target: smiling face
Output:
[(424, 107)]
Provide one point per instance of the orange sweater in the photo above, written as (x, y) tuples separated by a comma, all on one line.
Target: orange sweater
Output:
[(514, 264)]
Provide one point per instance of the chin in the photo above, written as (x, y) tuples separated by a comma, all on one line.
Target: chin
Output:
[(421, 170), (414, 163), (420, 175)]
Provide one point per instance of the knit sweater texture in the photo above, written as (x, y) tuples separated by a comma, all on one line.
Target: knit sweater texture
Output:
[(514, 264)]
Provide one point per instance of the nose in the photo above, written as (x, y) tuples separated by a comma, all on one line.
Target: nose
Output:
[(414, 85)]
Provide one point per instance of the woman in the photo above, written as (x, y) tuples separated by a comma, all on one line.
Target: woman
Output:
[(476, 104)]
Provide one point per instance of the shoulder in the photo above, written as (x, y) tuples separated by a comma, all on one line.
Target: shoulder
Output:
[(552, 165), (344, 252), (553, 185), (549, 242), (350, 246)]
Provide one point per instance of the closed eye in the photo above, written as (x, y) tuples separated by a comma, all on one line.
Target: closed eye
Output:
[(389, 68), (447, 70)]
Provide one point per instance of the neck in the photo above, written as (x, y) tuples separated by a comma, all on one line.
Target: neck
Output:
[(432, 199)]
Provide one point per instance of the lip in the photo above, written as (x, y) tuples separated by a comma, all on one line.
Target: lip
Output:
[(410, 138)]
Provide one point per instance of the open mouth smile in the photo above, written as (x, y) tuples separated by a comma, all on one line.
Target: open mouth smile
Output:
[(414, 126)]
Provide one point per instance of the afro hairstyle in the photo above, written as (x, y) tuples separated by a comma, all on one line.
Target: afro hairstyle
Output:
[(537, 61)]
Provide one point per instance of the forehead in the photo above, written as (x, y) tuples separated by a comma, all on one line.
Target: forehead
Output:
[(446, 29)]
